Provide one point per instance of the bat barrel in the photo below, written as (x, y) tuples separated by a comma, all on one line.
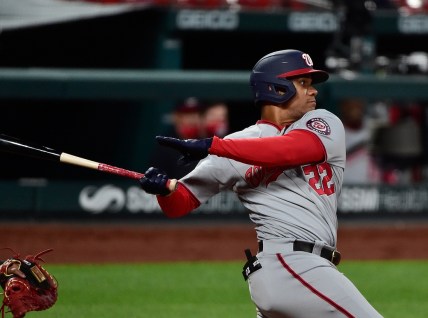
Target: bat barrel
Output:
[(17, 146)]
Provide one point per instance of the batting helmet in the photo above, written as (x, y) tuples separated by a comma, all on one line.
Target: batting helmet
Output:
[(270, 78)]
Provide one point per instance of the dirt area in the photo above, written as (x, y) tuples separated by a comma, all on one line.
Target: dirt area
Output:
[(138, 242)]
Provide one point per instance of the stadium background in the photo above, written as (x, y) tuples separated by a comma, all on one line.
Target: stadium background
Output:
[(99, 87)]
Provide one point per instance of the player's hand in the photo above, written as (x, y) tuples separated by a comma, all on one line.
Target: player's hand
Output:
[(191, 149), (155, 181)]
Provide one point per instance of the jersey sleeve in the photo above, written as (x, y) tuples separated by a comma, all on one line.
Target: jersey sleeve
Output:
[(211, 176), (179, 203), (330, 131), (297, 148)]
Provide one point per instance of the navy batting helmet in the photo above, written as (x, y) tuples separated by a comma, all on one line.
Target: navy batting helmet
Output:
[(270, 78)]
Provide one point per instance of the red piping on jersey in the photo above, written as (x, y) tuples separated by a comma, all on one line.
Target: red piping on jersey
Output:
[(313, 289)]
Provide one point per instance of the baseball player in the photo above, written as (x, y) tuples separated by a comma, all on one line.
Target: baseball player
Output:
[(287, 170)]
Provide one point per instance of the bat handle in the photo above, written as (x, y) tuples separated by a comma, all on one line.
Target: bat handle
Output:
[(119, 171), (171, 183), (74, 160)]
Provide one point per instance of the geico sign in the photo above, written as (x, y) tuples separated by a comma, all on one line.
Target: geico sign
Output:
[(201, 19), (312, 22), (413, 24)]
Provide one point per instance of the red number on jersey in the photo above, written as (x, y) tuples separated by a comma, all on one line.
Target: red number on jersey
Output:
[(320, 178)]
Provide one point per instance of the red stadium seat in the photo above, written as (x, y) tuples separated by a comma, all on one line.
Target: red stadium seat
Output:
[(258, 4), (206, 4), (294, 5)]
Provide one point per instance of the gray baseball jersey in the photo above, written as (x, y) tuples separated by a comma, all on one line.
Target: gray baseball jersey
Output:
[(295, 203), (288, 205)]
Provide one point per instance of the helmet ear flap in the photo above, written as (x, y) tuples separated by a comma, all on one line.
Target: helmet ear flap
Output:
[(280, 90), (268, 88)]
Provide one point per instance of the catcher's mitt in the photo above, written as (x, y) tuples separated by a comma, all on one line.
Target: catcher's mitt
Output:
[(37, 291)]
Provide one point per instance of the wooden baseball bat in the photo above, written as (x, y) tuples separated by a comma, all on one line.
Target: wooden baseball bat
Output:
[(30, 149)]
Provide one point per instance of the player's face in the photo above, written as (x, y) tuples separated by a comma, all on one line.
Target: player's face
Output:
[(304, 100)]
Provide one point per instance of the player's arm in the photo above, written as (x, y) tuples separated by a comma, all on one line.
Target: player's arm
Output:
[(176, 203), (296, 148)]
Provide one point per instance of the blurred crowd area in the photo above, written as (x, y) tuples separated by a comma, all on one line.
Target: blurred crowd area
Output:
[(386, 141), (189, 119), (405, 6)]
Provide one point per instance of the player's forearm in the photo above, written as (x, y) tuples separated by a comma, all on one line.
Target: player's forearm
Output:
[(297, 148), (178, 203)]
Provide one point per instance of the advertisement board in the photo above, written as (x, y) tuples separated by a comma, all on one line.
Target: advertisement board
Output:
[(100, 200)]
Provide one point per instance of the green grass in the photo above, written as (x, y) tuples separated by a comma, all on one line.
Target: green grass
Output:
[(396, 289)]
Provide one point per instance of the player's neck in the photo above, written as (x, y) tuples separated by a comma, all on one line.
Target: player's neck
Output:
[(276, 115)]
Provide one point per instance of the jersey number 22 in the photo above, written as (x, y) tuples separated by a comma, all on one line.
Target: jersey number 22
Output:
[(319, 178)]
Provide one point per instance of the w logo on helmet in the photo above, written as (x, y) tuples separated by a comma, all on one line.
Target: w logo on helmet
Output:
[(307, 59)]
